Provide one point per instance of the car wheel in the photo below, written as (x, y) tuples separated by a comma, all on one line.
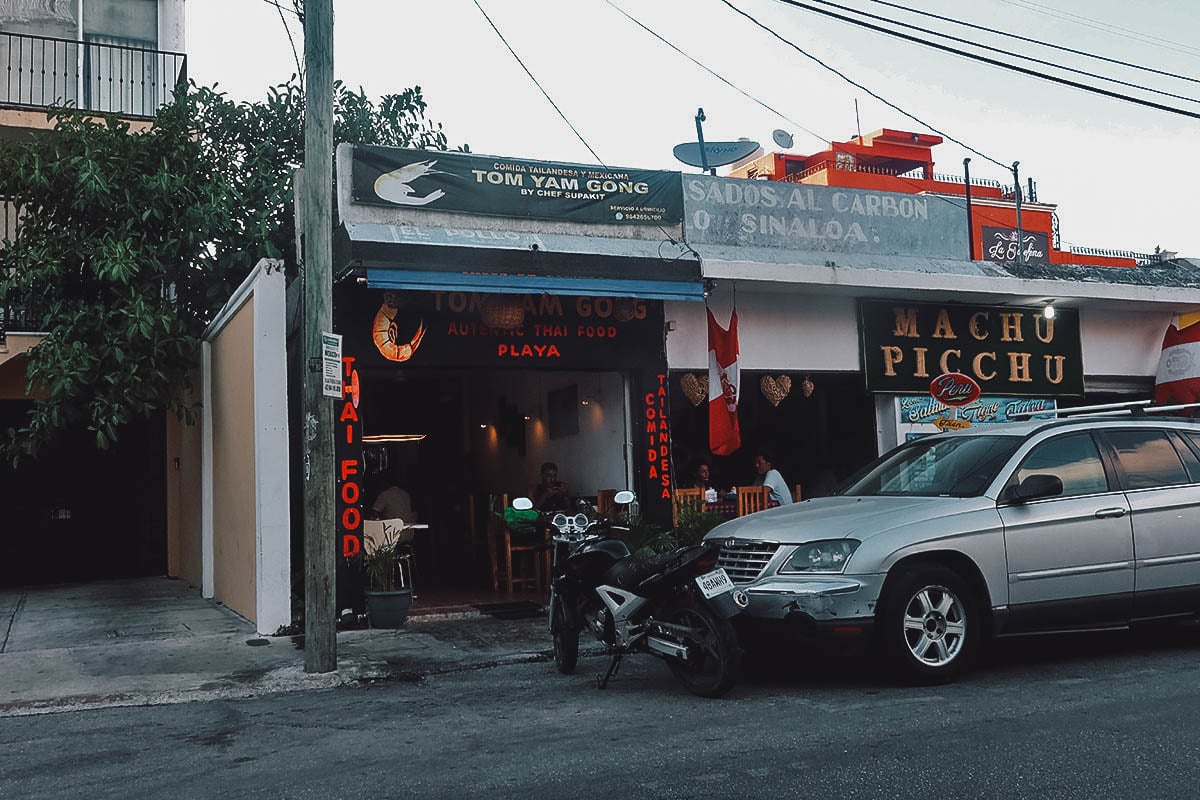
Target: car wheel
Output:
[(931, 625)]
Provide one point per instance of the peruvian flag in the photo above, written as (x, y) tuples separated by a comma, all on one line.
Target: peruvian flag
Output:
[(724, 436), (1178, 378)]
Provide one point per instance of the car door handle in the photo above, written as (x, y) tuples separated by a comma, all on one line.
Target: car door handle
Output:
[(1107, 513)]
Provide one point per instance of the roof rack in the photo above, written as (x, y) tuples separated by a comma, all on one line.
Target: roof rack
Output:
[(1131, 407)]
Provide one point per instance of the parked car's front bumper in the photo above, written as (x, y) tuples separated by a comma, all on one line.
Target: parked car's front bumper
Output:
[(822, 609)]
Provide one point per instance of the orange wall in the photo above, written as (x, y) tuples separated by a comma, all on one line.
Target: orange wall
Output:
[(233, 473)]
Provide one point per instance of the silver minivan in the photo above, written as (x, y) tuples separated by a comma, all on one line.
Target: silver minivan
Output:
[(947, 540)]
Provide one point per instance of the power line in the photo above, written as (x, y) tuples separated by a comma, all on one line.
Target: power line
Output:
[(855, 83), (1004, 52), (714, 73), (686, 247), (835, 146), (538, 84), (1037, 41), (282, 8), (994, 62), (1103, 26)]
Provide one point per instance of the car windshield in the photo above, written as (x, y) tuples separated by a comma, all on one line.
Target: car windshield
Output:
[(955, 466)]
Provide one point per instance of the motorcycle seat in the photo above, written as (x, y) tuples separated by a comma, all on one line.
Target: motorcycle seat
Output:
[(630, 573)]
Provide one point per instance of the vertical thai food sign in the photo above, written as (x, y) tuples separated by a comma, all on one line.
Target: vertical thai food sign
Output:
[(349, 457)]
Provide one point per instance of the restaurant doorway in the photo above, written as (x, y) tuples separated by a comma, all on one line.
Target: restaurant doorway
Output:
[(460, 440)]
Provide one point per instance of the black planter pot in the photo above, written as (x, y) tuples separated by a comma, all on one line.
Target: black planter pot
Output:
[(387, 609)]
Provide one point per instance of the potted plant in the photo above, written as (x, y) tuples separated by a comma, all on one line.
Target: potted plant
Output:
[(388, 599)]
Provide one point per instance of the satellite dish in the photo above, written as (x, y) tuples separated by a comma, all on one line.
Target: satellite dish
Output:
[(782, 138), (716, 154)]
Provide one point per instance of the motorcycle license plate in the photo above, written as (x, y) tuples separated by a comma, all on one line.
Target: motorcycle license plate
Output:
[(714, 583)]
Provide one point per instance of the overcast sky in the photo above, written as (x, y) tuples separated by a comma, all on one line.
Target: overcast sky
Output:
[(1123, 176)]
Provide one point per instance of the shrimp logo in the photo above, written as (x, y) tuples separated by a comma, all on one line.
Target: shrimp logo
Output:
[(396, 186), (387, 335)]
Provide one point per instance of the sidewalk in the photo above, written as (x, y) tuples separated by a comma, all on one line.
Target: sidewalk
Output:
[(153, 641)]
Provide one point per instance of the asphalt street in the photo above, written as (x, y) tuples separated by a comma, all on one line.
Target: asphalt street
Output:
[(1088, 716)]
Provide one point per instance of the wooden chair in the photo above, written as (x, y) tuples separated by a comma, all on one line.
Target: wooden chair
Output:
[(533, 557), (378, 531), (796, 497), (604, 500), (751, 499), (693, 498)]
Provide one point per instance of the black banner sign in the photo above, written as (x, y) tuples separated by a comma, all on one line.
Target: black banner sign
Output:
[(522, 331), (1008, 350), (1000, 244), (512, 187)]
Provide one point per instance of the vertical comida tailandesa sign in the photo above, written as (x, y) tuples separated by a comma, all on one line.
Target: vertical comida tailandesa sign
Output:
[(1008, 350)]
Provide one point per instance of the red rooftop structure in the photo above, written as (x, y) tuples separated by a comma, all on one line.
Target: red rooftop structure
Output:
[(901, 161)]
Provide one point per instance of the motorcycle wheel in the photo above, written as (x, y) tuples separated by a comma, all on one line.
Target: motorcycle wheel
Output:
[(566, 641), (715, 658)]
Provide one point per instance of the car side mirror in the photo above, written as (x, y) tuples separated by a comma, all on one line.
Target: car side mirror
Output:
[(1035, 487)]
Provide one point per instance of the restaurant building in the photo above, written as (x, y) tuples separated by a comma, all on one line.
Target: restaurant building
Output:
[(497, 313)]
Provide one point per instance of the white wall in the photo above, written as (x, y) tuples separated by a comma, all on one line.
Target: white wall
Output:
[(786, 331), (595, 458), (782, 331), (171, 26), (1125, 343)]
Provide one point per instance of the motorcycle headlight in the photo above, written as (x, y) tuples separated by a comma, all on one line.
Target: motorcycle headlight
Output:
[(830, 556)]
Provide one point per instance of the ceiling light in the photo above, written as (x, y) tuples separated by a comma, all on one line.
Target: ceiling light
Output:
[(379, 438)]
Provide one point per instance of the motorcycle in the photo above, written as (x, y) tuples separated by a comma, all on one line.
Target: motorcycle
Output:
[(676, 605)]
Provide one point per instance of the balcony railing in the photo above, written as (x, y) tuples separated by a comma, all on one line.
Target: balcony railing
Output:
[(941, 177), (909, 175), (40, 72), (1141, 259)]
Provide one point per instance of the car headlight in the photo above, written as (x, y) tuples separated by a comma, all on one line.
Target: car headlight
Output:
[(828, 556)]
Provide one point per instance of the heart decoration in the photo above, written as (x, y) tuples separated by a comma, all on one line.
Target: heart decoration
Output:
[(775, 389), (695, 388)]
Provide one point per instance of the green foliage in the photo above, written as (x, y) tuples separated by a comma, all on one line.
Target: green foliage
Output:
[(381, 562), (691, 524), (129, 241)]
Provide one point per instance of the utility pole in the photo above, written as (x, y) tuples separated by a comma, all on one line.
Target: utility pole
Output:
[(320, 626), (970, 222), (700, 139), (1017, 198)]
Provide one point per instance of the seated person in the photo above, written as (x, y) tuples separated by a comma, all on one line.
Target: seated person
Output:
[(394, 503), (764, 464), (551, 494), (701, 476)]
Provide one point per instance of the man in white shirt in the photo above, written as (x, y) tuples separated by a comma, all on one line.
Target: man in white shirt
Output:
[(764, 464)]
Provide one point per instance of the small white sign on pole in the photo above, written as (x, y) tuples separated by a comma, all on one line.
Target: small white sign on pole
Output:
[(331, 364)]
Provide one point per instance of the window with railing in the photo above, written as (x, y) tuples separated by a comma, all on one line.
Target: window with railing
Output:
[(103, 73)]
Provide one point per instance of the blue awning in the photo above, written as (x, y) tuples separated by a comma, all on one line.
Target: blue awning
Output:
[(515, 262), (380, 278)]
